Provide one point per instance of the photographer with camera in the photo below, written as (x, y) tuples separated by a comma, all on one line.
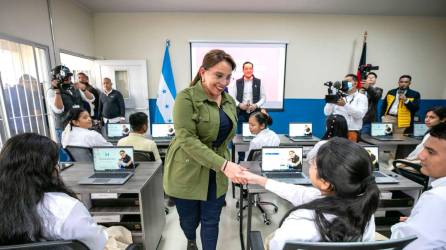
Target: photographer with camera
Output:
[(350, 103), (62, 96), (400, 105), (373, 94)]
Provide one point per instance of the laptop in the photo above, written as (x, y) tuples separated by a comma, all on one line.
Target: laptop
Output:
[(284, 164), (112, 165), (246, 133), (117, 130), (380, 177), (419, 130), (301, 132), (163, 131), (384, 132)]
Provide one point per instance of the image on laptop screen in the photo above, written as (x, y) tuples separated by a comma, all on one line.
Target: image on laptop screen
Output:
[(374, 156), (382, 129), (419, 129), (281, 158), (113, 159), (245, 130), (163, 130), (118, 129), (300, 129)]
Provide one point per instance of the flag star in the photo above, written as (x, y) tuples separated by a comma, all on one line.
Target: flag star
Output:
[(167, 106), (170, 120), (164, 91)]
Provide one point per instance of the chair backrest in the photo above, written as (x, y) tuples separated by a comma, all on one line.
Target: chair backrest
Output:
[(140, 155), (255, 155), (51, 245), (80, 154), (371, 245), (413, 174)]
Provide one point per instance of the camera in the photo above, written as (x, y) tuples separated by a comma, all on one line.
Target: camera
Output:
[(366, 68), (60, 74), (336, 90)]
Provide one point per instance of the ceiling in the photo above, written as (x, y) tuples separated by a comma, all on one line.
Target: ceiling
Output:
[(335, 7)]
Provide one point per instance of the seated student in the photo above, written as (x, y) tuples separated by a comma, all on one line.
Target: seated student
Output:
[(335, 126), (77, 133), (434, 116), (258, 125), (35, 203), (137, 138), (425, 220), (340, 205)]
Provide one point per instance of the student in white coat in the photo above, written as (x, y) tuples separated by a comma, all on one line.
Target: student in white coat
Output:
[(340, 205), (258, 125), (35, 203)]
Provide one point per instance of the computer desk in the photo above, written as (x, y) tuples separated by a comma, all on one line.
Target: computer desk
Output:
[(400, 149), (147, 183), (409, 187)]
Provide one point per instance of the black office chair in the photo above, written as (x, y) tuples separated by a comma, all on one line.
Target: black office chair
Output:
[(80, 154), (256, 155), (140, 155), (412, 172), (49, 245), (257, 244)]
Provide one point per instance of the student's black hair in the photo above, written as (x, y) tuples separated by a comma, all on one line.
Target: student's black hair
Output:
[(372, 73), (439, 131), (353, 76), (348, 168), (138, 120), (336, 125), (439, 111), (406, 76), (28, 165), (262, 118), (247, 62), (73, 115)]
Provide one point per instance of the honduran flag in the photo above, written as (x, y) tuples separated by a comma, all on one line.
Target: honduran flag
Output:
[(166, 91), (362, 62)]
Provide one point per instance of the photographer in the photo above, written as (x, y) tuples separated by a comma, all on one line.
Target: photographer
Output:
[(373, 95), (353, 107), (400, 105), (62, 96)]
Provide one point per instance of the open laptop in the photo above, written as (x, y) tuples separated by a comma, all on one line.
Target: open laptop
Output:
[(380, 177), (112, 165), (419, 130), (163, 131), (301, 131), (246, 133), (117, 130), (384, 132), (284, 164)]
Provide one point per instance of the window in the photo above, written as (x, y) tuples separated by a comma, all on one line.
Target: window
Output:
[(23, 72)]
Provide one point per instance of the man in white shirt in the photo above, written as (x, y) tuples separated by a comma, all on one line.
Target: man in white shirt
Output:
[(353, 108), (249, 94), (426, 219)]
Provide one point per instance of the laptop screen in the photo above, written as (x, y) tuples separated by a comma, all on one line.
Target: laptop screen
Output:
[(163, 130), (374, 156), (281, 158), (381, 129), (245, 130), (118, 129), (419, 129), (300, 129), (113, 159)]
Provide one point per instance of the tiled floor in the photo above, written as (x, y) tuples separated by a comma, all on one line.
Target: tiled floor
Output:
[(174, 239)]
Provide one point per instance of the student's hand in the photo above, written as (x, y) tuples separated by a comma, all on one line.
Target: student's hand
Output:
[(243, 106), (233, 171), (403, 218), (253, 178)]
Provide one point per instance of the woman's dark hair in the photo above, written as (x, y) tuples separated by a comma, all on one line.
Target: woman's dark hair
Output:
[(262, 118), (73, 115), (212, 58), (138, 120), (348, 168), (439, 111), (27, 171), (336, 125)]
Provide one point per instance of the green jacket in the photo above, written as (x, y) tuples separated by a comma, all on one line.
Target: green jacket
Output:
[(190, 155)]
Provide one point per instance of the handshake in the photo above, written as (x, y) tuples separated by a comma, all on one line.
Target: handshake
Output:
[(241, 175)]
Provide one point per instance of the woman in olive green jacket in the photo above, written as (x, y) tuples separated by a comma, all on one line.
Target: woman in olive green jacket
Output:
[(197, 169)]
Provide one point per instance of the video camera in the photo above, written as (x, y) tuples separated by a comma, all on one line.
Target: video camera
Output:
[(336, 91), (61, 73)]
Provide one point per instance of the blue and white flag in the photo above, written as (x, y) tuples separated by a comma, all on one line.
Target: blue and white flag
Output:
[(166, 91)]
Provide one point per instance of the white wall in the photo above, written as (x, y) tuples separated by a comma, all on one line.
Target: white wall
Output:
[(321, 47)]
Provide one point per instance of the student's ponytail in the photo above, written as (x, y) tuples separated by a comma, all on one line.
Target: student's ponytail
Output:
[(262, 118)]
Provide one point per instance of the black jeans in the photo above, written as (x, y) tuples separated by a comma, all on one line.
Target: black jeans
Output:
[(194, 212)]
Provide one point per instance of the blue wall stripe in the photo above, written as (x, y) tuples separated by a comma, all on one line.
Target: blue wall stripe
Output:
[(312, 110)]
